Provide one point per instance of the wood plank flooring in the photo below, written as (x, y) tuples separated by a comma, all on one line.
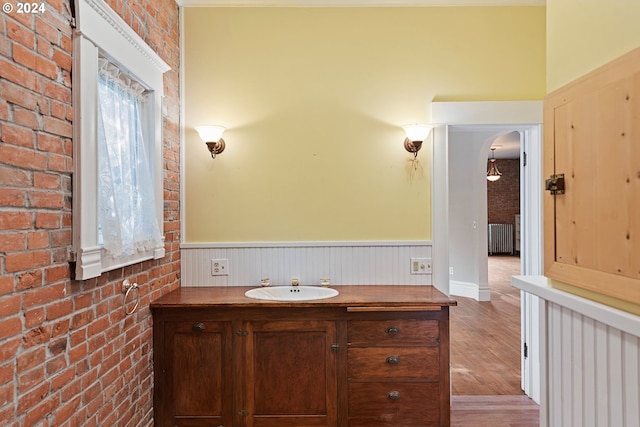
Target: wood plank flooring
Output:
[(485, 355), (494, 411)]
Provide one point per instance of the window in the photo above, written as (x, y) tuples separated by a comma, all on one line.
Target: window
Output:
[(117, 142)]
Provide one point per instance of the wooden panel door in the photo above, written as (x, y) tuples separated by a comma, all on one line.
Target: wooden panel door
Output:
[(197, 374), (290, 369), (592, 136)]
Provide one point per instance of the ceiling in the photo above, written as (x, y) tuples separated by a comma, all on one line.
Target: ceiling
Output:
[(361, 3)]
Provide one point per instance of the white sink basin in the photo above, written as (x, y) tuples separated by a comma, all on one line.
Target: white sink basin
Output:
[(291, 293)]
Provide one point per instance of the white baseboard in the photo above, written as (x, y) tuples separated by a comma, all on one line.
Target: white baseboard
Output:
[(469, 290)]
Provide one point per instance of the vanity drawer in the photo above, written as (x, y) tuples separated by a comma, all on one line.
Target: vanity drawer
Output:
[(392, 404), (393, 332), (393, 362)]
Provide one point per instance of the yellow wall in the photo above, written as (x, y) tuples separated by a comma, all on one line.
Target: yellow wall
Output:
[(584, 34), (313, 99), (581, 36)]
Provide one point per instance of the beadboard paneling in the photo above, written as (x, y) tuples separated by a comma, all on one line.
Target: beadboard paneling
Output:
[(345, 263), (593, 372), (591, 368)]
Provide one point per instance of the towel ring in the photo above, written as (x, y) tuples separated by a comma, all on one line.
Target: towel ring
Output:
[(127, 287)]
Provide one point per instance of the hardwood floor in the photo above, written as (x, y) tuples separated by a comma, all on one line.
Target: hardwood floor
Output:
[(494, 411), (485, 355)]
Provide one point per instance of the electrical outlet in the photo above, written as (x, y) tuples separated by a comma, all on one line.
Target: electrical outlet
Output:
[(451, 271), (219, 267), (420, 265)]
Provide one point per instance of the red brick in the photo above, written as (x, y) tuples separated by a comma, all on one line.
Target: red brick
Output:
[(62, 378), (46, 180), (46, 199), (78, 352), (68, 409), (15, 220), (44, 48), (59, 328), (13, 177), (81, 319), (12, 242), (63, 59), (30, 359), (47, 31), (7, 372), (23, 157), (30, 379), (30, 280), (50, 143), (59, 110), (24, 56), (47, 220), (25, 118), (20, 34), (43, 295), (9, 305), (61, 238), (46, 67), (57, 273), (27, 260), (7, 284), (9, 327), (33, 317), (19, 95), (38, 240), (34, 337), (57, 363), (17, 135), (13, 197), (58, 92), (6, 395), (40, 411)]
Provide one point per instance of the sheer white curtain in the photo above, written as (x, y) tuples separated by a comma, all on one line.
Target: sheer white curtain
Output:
[(126, 200)]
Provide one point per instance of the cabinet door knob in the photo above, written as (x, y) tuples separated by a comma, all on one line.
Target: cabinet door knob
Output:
[(198, 327), (393, 330), (393, 360), (393, 395)]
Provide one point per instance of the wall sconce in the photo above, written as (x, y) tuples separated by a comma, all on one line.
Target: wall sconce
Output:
[(212, 135), (493, 174), (416, 134)]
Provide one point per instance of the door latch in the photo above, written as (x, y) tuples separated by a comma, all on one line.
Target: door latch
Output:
[(555, 184)]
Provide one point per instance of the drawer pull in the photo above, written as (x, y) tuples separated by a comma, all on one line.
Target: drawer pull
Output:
[(198, 327), (393, 360), (393, 395), (393, 330)]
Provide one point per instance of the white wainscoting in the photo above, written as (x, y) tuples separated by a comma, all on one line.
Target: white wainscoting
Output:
[(590, 360), (345, 263)]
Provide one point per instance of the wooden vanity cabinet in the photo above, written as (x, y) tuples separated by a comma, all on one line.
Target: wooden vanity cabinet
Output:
[(310, 366), (289, 370), (398, 370), (194, 375)]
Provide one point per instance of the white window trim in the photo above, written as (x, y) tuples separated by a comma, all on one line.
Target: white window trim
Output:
[(100, 30)]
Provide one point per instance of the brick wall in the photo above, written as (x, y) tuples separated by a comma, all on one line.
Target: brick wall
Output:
[(68, 354), (503, 195)]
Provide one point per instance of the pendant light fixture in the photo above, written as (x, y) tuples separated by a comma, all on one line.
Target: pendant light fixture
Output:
[(493, 174)]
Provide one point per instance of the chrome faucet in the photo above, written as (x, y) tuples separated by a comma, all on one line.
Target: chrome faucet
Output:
[(295, 281)]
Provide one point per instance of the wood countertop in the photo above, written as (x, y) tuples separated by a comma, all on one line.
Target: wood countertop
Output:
[(353, 297)]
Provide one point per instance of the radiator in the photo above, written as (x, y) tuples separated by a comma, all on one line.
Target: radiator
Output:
[(500, 239)]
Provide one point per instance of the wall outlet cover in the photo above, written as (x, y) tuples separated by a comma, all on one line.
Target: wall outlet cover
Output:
[(219, 267), (420, 265)]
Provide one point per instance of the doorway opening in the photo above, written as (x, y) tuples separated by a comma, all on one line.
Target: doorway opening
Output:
[(460, 233)]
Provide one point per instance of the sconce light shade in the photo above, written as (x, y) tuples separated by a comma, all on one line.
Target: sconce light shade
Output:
[(416, 134), (212, 136)]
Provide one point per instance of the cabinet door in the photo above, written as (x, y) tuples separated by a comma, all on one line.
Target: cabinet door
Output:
[(290, 370), (197, 374), (592, 137)]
